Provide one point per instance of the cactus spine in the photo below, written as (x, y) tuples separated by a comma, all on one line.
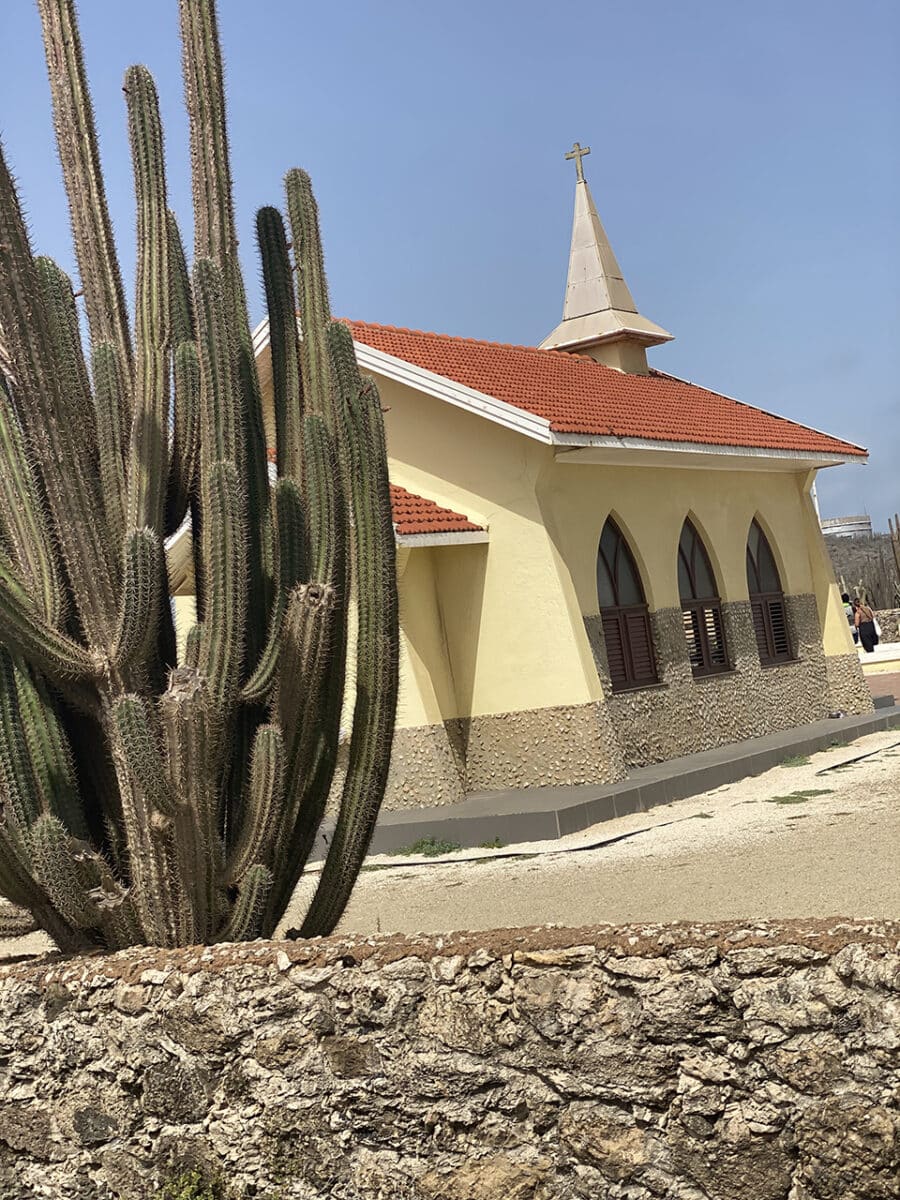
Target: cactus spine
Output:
[(145, 799)]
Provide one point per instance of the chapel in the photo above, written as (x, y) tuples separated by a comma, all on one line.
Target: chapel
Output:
[(601, 566)]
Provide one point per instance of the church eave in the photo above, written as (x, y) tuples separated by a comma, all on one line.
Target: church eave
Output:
[(577, 333)]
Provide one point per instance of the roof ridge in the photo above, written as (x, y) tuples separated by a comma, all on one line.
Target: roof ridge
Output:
[(453, 337)]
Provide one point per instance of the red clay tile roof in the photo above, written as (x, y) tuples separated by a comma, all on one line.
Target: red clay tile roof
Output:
[(577, 395), (416, 514)]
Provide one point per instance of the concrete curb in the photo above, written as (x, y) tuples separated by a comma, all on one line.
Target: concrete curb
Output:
[(543, 813)]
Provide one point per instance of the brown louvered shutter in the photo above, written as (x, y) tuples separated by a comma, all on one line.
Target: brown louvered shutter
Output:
[(640, 646), (615, 650), (691, 624), (771, 628), (781, 647), (760, 628), (716, 653)]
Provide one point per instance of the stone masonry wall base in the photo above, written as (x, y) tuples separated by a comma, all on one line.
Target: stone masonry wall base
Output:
[(755, 1061)]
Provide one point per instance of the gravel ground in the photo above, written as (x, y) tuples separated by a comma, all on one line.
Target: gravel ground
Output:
[(736, 852)]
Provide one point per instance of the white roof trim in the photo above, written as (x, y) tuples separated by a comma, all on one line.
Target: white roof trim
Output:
[(522, 421), (260, 336), (576, 441), (465, 537), (455, 393), (436, 385)]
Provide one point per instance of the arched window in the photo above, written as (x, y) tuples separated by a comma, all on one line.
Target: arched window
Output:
[(766, 600), (623, 613), (701, 608)]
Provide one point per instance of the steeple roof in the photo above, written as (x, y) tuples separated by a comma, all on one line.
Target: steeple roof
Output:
[(599, 306)]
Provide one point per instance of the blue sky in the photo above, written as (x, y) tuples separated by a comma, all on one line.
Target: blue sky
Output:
[(744, 163)]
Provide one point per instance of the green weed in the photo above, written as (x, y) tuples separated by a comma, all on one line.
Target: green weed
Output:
[(427, 847), (797, 760), (190, 1186), (799, 797)]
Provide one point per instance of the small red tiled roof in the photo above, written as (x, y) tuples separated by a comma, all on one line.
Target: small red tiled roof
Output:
[(417, 514), (577, 395)]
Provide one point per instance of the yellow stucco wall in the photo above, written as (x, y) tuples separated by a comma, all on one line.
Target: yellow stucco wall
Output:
[(510, 611), (497, 627)]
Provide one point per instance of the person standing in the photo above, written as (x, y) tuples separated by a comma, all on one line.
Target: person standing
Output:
[(864, 620), (850, 614)]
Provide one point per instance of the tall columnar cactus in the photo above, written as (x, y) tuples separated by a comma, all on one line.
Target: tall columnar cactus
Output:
[(146, 799)]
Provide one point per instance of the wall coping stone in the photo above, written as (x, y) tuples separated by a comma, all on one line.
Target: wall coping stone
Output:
[(151, 964)]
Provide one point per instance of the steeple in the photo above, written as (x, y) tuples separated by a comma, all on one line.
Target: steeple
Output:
[(600, 317)]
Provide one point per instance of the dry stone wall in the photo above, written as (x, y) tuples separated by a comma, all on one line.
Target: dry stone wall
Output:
[(889, 620), (648, 1063)]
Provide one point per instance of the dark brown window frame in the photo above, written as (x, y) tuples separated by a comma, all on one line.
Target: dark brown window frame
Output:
[(628, 624), (768, 608), (705, 608)]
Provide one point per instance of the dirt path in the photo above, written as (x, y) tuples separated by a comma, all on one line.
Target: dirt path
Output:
[(733, 853)]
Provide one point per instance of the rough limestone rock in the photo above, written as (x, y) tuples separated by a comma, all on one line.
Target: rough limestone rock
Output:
[(644, 1063)]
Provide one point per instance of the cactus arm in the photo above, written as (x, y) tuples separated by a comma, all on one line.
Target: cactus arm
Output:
[(146, 833), (139, 742), (49, 845), (116, 915), (221, 432), (284, 343), (315, 313), (51, 759), (188, 715), (185, 435), (111, 437), (143, 573), (215, 238), (192, 643), (214, 235), (76, 136), (25, 631), (149, 455), (20, 794), (224, 555), (19, 885), (62, 327), (377, 654), (301, 706), (247, 916), (22, 517), (290, 566), (181, 301), (186, 370), (147, 805), (68, 479), (265, 794)]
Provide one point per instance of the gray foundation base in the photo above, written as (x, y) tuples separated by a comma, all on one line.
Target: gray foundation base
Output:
[(543, 813)]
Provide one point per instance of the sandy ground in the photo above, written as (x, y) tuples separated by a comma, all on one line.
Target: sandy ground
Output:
[(735, 852), (730, 853)]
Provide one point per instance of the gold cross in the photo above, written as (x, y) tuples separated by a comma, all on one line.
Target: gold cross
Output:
[(578, 152)]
